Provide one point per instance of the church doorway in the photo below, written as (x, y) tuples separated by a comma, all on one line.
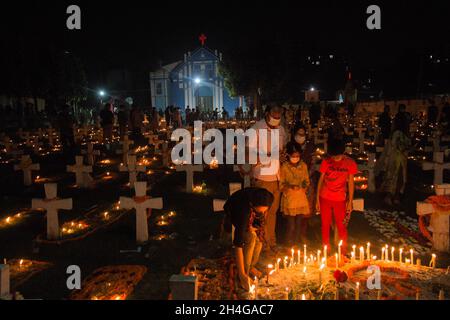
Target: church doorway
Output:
[(204, 98)]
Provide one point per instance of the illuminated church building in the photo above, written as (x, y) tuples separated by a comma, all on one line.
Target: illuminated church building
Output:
[(193, 82)]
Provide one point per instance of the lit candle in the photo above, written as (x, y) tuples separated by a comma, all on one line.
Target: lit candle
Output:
[(354, 250), (407, 261), (353, 257), (357, 291), (292, 254), (269, 271), (339, 251), (361, 254), (298, 256), (383, 250), (368, 250), (278, 264), (433, 261), (303, 296), (325, 254), (392, 254), (412, 255), (286, 294), (304, 254), (318, 256), (4, 260), (285, 262), (386, 256), (400, 256), (320, 273), (374, 258), (311, 258), (337, 261)]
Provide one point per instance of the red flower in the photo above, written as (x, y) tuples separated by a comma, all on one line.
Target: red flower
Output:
[(340, 276)]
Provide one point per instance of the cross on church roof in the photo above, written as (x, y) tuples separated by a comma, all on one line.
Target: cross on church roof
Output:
[(202, 39)]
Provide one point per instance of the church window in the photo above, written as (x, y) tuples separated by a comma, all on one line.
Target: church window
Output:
[(159, 88)]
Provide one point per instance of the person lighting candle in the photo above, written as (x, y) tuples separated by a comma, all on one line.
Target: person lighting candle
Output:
[(246, 210)]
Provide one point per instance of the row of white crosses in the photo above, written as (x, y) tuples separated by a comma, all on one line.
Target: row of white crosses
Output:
[(141, 202), (439, 222)]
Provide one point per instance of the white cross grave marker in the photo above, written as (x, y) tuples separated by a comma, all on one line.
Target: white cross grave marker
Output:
[(126, 142), (52, 204), (361, 133), (439, 222), (90, 153), (27, 165), (132, 168), (370, 168), (82, 176), (141, 202), (190, 169)]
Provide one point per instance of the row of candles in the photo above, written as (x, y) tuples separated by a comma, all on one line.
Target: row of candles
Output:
[(10, 220), (322, 261)]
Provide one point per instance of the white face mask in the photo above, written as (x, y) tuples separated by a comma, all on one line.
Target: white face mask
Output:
[(274, 122), (294, 160), (300, 139)]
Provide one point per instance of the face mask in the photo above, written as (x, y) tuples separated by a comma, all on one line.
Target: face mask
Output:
[(294, 160), (274, 122), (300, 139)]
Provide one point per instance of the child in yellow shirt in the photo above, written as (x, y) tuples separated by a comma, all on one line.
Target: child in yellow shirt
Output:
[(294, 179)]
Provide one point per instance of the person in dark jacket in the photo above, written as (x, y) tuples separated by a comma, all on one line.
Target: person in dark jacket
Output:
[(385, 123), (123, 119), (246, 210)]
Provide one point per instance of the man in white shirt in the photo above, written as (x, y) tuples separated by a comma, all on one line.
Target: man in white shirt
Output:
[(266, 173)]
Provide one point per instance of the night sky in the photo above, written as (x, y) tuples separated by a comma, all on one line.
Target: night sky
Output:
[(142, 34)]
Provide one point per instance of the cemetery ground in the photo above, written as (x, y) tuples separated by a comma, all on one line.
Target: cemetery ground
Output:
[(192, 233)]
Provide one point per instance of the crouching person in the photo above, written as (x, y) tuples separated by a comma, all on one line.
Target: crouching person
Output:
[(246, 210)]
